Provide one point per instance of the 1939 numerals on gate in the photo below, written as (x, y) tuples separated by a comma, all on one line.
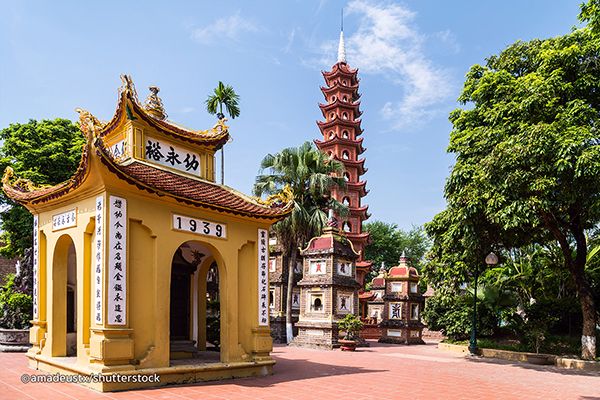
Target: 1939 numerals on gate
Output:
[(198, 226)]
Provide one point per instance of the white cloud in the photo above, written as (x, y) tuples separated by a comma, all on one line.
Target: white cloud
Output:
[(290, 41), (387, 43), (230, 27)]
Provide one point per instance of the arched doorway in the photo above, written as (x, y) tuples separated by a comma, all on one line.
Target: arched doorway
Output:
[(64, 288), (195, 307)]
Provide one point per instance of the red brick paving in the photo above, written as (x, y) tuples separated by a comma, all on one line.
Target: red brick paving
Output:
[(379, 372)]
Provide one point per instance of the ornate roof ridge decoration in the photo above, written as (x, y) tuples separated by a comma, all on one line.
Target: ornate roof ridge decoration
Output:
[(129, 104), (154, 105), (285, 196), (147, 177), (336, 235), (25, 185), (186, 189), (24, 191)]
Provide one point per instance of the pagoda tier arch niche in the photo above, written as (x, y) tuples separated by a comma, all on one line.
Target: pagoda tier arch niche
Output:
[(144, 189)]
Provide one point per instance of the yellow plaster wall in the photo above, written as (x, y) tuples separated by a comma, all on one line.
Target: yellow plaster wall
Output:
[(152, 242)]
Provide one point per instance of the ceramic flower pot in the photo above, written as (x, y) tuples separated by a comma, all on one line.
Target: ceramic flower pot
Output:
[(347, 345)]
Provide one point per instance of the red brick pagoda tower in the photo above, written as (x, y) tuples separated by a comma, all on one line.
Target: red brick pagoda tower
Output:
[(341, 140)]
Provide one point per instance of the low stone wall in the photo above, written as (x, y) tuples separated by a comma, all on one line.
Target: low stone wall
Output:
[(561, 362), (573, 363)]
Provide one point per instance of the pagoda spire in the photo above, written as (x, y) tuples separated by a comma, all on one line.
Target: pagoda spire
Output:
[(342, 45), (341, 130)]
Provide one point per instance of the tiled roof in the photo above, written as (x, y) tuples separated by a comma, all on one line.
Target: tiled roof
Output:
[(185, 189), (192, 191)]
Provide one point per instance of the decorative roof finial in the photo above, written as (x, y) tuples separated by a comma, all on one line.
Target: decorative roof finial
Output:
[(403, 256), (342, 46), (154, 105)]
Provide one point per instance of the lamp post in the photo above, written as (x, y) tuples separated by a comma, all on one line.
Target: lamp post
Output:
[(491, 259)]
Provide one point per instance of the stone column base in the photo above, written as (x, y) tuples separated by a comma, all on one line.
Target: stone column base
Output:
[(111, 349)]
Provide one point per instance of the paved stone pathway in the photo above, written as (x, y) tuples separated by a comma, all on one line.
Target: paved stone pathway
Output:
[(380, 372)]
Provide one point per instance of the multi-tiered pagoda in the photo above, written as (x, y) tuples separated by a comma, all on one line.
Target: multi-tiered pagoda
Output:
[(341, 140)]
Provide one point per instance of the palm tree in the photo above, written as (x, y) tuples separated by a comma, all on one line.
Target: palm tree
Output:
[(311, 175), (223, 95)]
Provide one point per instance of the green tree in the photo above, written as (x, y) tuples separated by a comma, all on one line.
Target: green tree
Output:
[(527, 160), (223, 95), (311, 175), (387, 242), (47, 153)]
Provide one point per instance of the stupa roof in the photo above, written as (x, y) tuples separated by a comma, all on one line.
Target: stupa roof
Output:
[(403, 269)]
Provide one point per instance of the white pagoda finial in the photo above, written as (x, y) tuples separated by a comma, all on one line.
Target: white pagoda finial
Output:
[(342, 45)]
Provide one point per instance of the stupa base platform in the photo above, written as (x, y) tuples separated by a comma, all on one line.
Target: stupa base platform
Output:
[(127, 377)]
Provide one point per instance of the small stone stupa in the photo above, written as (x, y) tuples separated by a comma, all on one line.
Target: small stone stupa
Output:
[(328, 289)]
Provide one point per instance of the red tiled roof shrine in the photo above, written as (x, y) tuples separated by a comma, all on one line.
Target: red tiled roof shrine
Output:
[(149, 177)]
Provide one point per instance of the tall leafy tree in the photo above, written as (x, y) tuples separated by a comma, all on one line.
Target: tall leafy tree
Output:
[(527, 159), (223, 95), (46, 152), (311, 175), (387, 242)]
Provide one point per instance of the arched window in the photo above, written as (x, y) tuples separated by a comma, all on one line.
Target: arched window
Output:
[(345, 115), (317, 304), (345, 155), (346, 176), (345, 98), (344, 82), (330, 153), (347, 227), (332, 99), (331, 116), (345, 134), (331, 133), (346, 201)]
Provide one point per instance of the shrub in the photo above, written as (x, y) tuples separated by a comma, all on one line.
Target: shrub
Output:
[(453, 315), (15, 307), (352, 325)]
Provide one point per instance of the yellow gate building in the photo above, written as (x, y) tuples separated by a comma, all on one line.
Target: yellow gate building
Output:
[(130, 250)]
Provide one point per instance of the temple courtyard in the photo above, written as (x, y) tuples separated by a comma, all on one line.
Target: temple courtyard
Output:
[(379, 372)]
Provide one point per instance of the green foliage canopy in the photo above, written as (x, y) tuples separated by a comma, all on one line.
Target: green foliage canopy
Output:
[(387, 242), (527, 160), (47, 153), (311, 176), (223, 95)]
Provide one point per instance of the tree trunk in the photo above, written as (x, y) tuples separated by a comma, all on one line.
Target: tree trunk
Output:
[(584, 291), (223, 165), (289, 331), (577, 269)]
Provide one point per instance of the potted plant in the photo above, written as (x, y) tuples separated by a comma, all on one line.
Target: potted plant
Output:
[(352, 325), (15, 314)]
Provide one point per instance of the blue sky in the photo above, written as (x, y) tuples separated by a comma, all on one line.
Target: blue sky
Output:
[(412, 58)]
